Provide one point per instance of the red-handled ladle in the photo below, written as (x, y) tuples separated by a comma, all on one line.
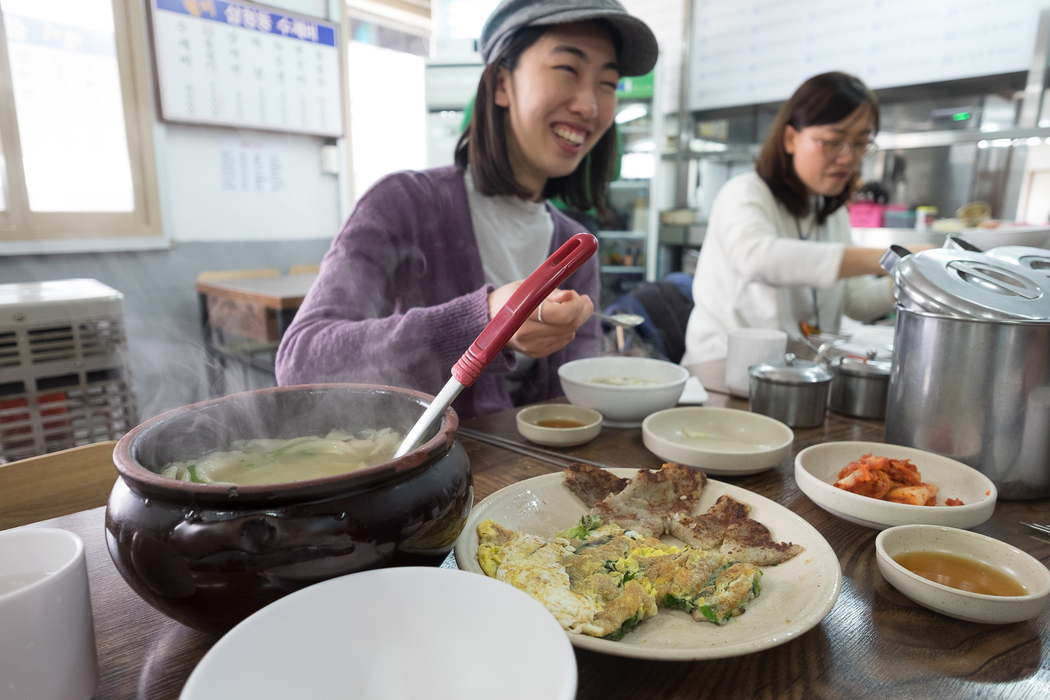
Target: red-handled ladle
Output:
[(554, 270)]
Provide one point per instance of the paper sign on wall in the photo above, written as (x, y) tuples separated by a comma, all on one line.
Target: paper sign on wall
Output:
[(240, 64)]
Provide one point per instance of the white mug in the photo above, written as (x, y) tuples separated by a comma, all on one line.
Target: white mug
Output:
[(747, 347), (47, 646)]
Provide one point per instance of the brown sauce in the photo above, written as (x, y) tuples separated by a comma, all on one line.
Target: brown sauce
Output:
[(960, 572), (559, 423)]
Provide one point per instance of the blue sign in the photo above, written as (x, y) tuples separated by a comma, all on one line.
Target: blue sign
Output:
[(247, 17)]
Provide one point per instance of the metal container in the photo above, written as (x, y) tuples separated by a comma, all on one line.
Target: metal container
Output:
[(966, 284), (793, 391), (970, 376), (860, 386), (1035, 260)]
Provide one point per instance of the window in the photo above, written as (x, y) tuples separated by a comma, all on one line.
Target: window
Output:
[(76, 153), (388, 45)]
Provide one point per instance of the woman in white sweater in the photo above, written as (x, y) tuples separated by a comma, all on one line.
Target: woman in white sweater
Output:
[(777, 252)]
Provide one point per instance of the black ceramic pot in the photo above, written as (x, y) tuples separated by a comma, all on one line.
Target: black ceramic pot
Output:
[(209, 555)]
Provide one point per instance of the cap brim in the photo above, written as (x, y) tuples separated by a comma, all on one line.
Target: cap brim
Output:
[(638, 49)]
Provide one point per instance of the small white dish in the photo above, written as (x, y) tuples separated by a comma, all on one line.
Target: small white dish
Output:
[(953, 602), (588, 424), (817, 469), (585, 383), (387, 634), (721, 441)]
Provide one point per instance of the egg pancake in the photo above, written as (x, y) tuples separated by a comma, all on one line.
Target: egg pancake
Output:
[(607, 580), (599, 603), (611, 571)]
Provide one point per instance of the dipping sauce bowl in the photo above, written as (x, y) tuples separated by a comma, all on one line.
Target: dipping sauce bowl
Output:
[(1023, 568), (559, 425)]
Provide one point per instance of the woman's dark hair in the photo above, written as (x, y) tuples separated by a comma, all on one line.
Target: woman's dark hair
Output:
[(483, 145), (823, 99)]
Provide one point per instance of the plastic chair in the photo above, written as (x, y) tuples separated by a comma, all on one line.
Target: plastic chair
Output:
[(56, 484), (665, 305)]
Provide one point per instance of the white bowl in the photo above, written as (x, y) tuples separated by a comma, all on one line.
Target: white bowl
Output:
[(623, 406), (387, 634), (528, 420), (1007, 234), (963, 605), (721, 441), (817, 469)]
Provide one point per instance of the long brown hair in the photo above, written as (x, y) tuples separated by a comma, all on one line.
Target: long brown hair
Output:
[(823, 99), (483, 145)]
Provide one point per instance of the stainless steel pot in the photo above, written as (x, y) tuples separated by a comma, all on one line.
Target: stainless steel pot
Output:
[(1035, 260), (793, 391), (977, 391), (965, 284), (860, 386), (970, 376)]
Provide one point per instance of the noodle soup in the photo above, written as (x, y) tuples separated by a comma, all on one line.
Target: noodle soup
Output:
[(623, 381), (266, 461)]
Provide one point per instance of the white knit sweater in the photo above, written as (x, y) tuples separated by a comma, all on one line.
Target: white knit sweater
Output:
[(755, 272)]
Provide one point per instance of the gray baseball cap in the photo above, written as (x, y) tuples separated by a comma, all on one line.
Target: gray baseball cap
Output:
[(638, 50)]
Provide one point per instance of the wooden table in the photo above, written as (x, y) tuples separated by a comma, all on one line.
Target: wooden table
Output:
[(874, 643), (242, 320)]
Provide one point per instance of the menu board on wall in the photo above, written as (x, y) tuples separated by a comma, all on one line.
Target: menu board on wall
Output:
[(758, 51), (245, 65)]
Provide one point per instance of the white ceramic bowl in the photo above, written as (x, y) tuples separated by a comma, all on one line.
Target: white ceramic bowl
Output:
[(623, 406), (964, 605), (721, 441), (528, 420), (386, 634), (1007, 234), (817, 469)]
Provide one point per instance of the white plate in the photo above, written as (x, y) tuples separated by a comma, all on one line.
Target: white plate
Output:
[(721, 441), (817, 469), (411, 632), (795, 597)]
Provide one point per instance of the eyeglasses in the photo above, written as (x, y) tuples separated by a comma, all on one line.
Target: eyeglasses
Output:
[(837, 147)]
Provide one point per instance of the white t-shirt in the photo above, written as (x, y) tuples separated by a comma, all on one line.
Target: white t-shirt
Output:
[(756, 271), (514, 235)]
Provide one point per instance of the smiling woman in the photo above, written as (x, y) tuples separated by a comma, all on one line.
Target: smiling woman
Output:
[(428, 258)]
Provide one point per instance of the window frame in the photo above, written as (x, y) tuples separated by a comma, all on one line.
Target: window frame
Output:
[(21, 227)]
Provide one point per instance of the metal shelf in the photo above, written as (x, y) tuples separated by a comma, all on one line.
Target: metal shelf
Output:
[(623, 235)]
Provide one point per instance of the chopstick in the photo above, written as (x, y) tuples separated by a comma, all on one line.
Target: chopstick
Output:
[(1045, 529), (549, 456)]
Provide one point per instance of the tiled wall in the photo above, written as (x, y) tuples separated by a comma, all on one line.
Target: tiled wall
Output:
[(160, 307)]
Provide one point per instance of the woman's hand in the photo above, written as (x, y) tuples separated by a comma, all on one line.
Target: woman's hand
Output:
[(563, 311)]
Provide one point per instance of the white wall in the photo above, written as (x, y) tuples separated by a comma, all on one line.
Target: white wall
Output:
[(236, 185), (211, 189)]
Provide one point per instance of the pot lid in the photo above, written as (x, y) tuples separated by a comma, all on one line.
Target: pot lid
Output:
[(791, 370), (869, 367), (1035, 260), (968, 284)]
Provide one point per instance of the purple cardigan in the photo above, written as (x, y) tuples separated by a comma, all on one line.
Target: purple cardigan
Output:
[(402, 295)]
